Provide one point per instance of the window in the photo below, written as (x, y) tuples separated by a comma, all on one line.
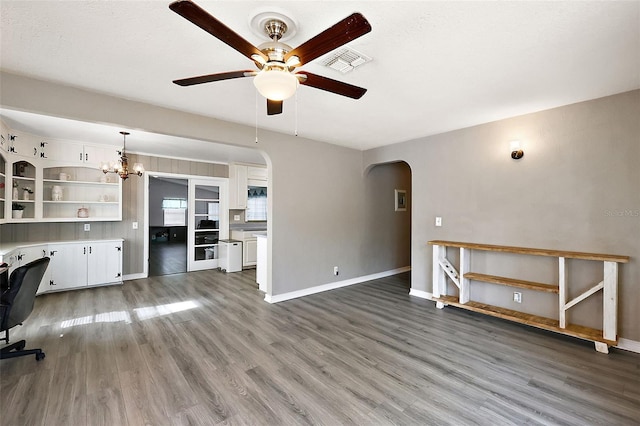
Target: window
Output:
[(256, 204), (174, 211)]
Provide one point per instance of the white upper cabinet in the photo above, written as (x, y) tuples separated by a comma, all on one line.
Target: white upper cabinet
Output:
[(241, 176), (256, 173), (54, 180), (79, 153), (237, 186)]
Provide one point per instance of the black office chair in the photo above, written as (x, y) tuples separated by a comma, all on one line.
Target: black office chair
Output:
[(16, 303)]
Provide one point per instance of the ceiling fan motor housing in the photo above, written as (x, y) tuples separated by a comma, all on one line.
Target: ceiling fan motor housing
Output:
[(275, 29)]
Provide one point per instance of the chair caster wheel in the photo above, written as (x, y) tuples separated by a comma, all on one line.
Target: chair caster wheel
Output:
[(40, 356)]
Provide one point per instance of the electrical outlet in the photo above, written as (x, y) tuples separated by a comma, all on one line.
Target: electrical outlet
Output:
[(335, 270), (87, 227), (517, 297), (236, 217), (438, 221), (134, 225)]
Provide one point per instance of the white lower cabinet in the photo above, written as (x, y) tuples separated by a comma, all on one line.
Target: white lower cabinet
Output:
[(104, 262), (250, 252), (67, 267), (249, 246), (23, 255), (83, 264)]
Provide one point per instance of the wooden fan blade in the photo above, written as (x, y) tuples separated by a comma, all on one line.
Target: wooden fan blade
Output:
[(213, 77), (274, 107), (350, 28), (194, 13), (330, 85)]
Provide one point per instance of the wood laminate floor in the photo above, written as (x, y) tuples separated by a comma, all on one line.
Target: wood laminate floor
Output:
[(167, 258), (204, 349)]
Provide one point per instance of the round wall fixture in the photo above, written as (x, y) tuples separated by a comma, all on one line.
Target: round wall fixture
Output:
[(259, 20)]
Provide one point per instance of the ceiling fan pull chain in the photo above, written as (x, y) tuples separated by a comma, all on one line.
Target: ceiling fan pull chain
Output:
[(295, 131), (256, 93)]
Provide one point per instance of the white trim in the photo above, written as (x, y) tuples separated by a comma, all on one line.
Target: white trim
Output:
[(628, 345), (420, 293), (332, 286), (137, 276)]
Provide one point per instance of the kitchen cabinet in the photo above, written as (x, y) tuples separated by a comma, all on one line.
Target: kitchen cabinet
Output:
[(70, 169), (79, 153), (257, 173), (237, 186), (73, 264), (250, 252), (83, 264), (249, 246), (241, 176), (67, 267), (22, 255)]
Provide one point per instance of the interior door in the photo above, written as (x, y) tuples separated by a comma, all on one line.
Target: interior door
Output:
[(208, 222)]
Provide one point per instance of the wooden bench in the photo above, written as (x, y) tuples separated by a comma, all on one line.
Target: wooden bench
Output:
[(604, 338)]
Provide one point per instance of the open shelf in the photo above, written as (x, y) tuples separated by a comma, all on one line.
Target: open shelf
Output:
[(445, 272), (512, 282), (544, 323)]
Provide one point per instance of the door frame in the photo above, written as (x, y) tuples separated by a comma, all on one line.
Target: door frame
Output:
[(215, 180)]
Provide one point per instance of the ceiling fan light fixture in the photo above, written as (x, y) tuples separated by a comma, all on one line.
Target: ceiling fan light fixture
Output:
[(275, 84)]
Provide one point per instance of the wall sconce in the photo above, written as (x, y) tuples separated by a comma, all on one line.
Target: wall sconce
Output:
[(516, 150)]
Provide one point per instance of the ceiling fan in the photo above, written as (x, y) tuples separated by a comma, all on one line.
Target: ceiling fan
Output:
[(276, 79)]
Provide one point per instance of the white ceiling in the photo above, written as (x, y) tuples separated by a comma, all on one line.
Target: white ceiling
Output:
[(437, 66)]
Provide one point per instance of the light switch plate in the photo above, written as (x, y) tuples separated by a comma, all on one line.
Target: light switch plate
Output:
[(87, 227), (438, 221), (134, 225), (236, 217)]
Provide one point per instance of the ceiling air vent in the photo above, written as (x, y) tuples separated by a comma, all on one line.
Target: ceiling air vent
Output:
[(344, 60)]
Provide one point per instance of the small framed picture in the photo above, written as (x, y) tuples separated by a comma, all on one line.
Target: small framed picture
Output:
[(401, 200)]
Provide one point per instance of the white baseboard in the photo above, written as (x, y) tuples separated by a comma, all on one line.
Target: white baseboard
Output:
[(332, 286), (138, 276), (421, 294), (628, 345)]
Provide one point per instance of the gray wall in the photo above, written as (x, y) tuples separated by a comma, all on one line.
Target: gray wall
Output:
[(580, 168), (577, 188), (307, 236)]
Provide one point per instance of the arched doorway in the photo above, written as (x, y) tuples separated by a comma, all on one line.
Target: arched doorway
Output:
[(387, 218)]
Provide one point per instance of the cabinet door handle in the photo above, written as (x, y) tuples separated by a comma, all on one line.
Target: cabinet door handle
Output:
[(89, 249), (35, 152), (80, 156), (52, 252), (85, 250), (86, 157)]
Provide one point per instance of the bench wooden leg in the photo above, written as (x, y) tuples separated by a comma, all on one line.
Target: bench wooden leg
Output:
[(602, 347)]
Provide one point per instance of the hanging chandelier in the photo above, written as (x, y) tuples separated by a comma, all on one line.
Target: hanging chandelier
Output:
[(122, 167)]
